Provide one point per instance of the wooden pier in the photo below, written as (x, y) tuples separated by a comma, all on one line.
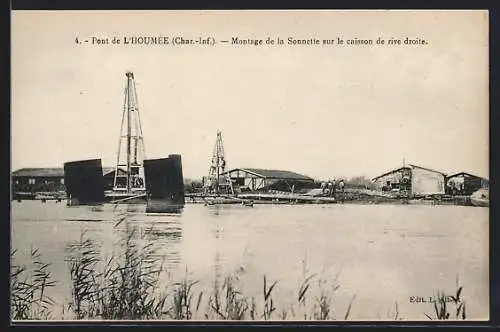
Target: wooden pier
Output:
[(261, 198)]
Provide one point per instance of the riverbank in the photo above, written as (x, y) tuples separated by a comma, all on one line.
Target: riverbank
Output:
[(272, 199), (349, 196)]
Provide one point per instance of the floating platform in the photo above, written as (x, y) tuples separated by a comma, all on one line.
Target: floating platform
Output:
[(346, 197), (291, 198), (258, 198), (124, 197)]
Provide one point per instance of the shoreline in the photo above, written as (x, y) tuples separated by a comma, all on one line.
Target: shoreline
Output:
[(458, 201)]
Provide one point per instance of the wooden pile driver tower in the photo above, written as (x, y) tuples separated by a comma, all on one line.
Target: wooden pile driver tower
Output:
[(131, 150), (218, 181)]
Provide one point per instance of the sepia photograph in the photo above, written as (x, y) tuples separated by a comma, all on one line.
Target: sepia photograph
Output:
[(253, 165)]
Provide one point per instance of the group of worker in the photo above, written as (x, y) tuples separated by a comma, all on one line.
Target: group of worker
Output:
[(404, 184), (136, 181), (331, 186), (455, 188)]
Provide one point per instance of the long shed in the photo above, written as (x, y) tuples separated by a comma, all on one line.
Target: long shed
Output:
[(49, 179), (255, 179), (38, 179)]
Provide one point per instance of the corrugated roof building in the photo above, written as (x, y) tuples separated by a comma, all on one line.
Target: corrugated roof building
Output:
[(38, 179), (48, 179), (269, 179), (51, 172), (55, 172)]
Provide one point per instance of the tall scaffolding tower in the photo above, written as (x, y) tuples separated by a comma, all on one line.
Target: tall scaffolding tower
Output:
[(218, 180), (131, 149)]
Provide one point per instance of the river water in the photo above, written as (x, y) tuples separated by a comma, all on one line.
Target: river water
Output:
[(380, 255)]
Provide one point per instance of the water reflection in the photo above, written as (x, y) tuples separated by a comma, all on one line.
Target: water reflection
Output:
[(162, 237), (149, 207), (217, 267), (217, 231), (96, 208), (163, 206), (214, 210), (171, 234), (373, 241)]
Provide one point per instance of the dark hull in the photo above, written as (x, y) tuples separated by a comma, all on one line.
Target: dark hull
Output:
[(140, 204), (84, 181), (163, 206)]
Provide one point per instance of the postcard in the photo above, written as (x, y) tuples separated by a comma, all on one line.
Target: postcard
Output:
[(253, 165)]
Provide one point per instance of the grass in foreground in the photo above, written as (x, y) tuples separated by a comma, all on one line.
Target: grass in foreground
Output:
[(448, 306), (28, 285), (126, 286), (123, 286)]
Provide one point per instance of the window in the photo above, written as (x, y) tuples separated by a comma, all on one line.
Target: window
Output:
[(31, 181), (62, 181)]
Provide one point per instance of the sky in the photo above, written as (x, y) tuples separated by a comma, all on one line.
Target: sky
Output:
[(323, 111)]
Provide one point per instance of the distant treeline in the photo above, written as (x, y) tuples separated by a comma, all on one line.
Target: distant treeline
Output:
[(359, 182), (191, 185)]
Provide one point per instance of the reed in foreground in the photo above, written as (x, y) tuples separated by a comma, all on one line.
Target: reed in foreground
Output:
[(124, 286), (181, 308), (227, 302), (443, 304), (28, 285)]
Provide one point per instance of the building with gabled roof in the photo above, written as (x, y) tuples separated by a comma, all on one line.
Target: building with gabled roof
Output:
[(257, 179), (48, 179), (464, 183), (38, 179), (418, 180)]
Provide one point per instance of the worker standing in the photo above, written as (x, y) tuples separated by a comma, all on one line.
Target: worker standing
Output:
[(341, 185)]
